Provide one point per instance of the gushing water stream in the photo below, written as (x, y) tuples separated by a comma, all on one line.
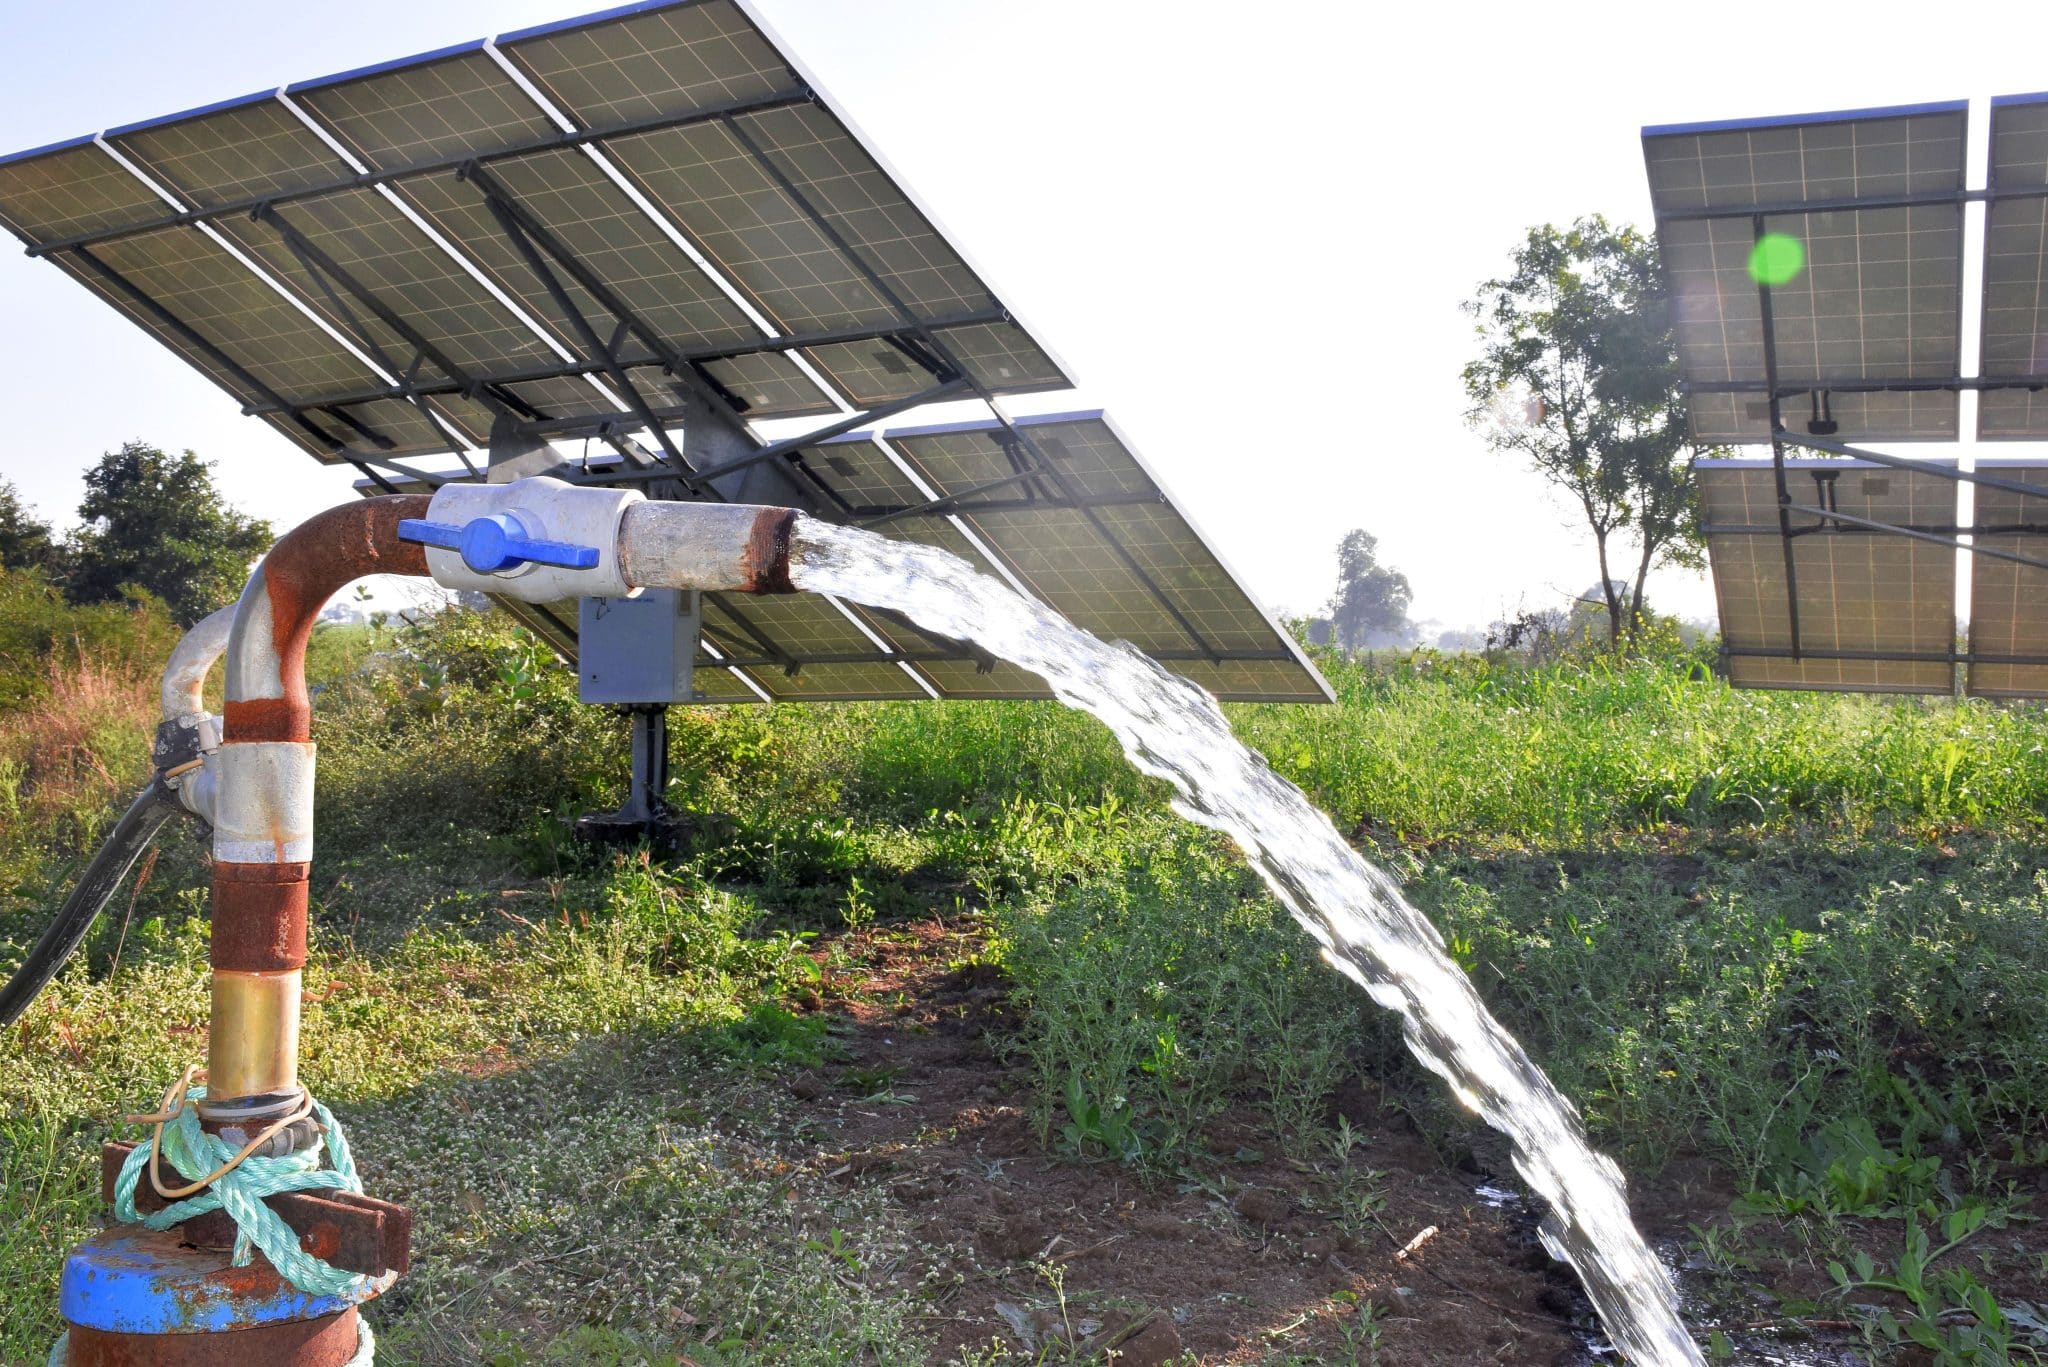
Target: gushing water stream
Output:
[(1174, 730)]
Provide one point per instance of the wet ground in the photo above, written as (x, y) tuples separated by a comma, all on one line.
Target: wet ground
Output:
[(1409, 1260)]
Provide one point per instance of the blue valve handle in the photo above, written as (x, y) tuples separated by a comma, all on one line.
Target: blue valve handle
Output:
[(497, 542)]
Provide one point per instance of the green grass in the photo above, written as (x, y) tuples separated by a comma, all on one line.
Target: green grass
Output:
[(1733, 926)]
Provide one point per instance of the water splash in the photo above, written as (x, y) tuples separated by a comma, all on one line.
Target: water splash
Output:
[(1172, 729)]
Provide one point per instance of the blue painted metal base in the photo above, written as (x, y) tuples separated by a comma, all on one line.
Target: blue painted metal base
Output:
[(130, 1280)]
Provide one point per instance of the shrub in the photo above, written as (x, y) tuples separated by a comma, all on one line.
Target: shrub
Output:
[(1162, 985)]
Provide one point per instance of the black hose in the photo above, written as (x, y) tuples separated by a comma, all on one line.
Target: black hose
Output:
[(153, 806)]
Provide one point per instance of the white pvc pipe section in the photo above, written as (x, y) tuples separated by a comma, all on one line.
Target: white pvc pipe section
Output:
[(184, 685)]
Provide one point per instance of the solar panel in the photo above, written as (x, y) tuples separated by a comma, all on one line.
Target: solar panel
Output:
[(2015, 299), (1072, 514), (1875, 612), (1873, 198), (646, 229), (2009, 601)]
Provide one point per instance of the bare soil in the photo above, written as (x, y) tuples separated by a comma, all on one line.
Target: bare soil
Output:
[(1236, 1265)]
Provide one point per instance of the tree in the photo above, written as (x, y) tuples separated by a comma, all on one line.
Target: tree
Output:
[(25, 541), (157, 522), (1371, 605), (1578, 374)]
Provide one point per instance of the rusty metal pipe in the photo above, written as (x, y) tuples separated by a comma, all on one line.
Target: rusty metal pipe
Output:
[(715, 547), (262, 795), (261, 778)]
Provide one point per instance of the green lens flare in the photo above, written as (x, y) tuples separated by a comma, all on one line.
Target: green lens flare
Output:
[(1776, 259)]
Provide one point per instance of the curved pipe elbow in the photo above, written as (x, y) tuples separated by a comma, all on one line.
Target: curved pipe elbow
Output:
[(266, 669), (184, 683)]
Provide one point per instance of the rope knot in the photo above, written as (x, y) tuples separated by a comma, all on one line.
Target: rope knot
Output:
[(237, 1181)]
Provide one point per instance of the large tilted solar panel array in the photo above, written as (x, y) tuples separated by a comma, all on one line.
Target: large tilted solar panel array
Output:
[(613, 216), (1875, 199), (725, 137), (1883, 599)]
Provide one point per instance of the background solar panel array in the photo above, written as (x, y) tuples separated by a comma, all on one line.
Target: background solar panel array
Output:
[(1880, 296), (1858, 591), (311, 246)]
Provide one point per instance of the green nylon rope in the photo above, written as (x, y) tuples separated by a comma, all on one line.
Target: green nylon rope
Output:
[(240, 1192)]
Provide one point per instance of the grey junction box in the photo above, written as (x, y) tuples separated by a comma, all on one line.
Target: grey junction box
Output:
[(637, 651)]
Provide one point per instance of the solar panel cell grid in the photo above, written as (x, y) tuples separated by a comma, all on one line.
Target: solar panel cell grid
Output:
[(375, 246), (215, 295), (1896, 415), (1880, 296), (2015, 296), (76, 191), (836, 177), (733, 209), (1002, 358), (863, 476), (1173, 557), (1878, 293), (961, 679), (672, 61), (2019, 144), (1858, 592), (770, 385), (2009, 602), (1799, 162), (871, 372), (396, 421), (655, 280), (1252, 680), (461, 215), (459, 106), (1067, 562), (233, 154)]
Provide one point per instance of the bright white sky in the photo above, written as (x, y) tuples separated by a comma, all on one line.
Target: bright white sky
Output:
[(1246, 229)]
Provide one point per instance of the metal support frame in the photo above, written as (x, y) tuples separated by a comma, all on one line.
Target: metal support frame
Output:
[(535, 244), (773, 451), (1863, 386), (1778, 447), (951, 363), (744, 465), (580, 369), (1917, 199), (778, 99), (328, 274), (645, 814)]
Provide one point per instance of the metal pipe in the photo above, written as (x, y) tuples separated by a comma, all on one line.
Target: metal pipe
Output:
[(714, 547), (262, 796), (261, 778), (184, 682)]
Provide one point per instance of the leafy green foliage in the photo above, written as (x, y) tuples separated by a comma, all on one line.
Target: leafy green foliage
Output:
[(1371, 603), (1799, 937), (155, 521), (26, 541), (1161, 985), (1577, 375)]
